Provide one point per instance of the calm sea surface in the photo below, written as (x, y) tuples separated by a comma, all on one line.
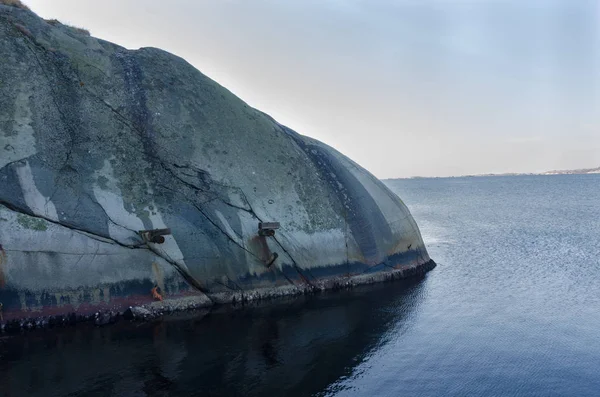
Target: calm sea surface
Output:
[(512, 309)]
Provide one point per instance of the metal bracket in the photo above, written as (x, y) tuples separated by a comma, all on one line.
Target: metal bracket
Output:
[(154, 235), (267, 228)]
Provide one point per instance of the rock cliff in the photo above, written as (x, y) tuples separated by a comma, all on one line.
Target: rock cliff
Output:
[(98, 143)]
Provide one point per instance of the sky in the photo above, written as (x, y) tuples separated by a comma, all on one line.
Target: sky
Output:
[(404, 88)]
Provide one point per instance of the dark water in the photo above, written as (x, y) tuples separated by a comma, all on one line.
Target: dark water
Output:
[(512, 309)]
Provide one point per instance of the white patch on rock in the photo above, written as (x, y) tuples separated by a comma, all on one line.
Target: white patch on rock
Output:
[(123, 224), (35, 200), (230, 232)]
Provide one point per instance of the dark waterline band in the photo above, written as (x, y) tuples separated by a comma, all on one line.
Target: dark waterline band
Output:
[(189, 303)]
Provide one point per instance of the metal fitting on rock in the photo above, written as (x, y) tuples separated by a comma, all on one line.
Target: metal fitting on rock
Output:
[(155, 236), (267, 228)]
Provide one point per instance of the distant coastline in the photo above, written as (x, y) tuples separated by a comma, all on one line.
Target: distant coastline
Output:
[(581, 171)]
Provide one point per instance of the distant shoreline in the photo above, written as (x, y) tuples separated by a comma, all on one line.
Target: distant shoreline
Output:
[(582, 171)]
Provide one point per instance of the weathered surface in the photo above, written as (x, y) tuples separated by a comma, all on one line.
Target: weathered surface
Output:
[(98, 142)]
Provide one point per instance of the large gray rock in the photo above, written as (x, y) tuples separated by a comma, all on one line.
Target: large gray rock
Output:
[(98, 142)]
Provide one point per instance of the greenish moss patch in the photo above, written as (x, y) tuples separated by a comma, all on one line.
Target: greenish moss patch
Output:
[(32, 223)]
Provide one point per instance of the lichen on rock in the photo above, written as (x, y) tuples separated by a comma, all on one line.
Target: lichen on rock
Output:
[(29, 222)]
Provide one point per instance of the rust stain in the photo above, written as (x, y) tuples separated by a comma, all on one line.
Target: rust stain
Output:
[(258, 245), (158, 276), (155, 294)]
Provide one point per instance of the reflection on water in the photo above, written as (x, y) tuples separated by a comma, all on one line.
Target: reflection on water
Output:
[(292, 347)]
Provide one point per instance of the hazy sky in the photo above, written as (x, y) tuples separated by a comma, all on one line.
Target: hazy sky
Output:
[(405, 87)]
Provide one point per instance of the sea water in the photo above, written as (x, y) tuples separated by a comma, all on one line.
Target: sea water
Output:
[(513, 308)]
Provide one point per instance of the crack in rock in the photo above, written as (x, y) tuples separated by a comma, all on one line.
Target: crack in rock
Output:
[(105, 239)]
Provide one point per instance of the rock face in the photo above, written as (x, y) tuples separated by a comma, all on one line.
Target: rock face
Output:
[(98, 142)]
